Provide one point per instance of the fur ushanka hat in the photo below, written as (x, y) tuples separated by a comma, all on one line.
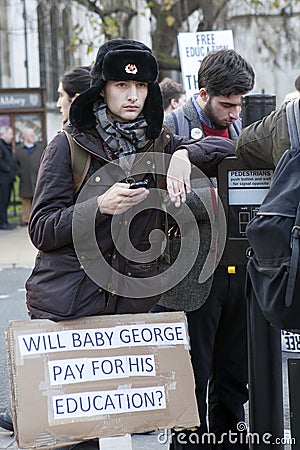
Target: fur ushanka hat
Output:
[(121, 60)]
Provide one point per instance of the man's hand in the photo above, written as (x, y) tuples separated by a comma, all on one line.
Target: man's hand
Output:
[(178, 177), (119, 198)]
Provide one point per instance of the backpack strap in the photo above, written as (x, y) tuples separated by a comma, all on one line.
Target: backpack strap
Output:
[(182, 126), (235, 130), (293, 121), (80, 161), (295, 246)]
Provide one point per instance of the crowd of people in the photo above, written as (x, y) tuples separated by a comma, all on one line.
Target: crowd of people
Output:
[(23, 162), (117, 111)]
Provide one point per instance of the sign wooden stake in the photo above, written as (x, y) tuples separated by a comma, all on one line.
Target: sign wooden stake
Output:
[(116, 443)]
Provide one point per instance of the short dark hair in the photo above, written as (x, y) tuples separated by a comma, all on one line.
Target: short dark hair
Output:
[(297, 83), (170, 89), (225, 72), (76, 80)]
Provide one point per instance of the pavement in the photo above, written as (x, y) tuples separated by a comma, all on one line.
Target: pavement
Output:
[(17, 251)]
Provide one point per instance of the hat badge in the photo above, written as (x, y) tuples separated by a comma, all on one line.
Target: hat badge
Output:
[(131, 68)]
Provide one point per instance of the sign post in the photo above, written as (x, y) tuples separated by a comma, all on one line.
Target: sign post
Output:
[(116, 443)]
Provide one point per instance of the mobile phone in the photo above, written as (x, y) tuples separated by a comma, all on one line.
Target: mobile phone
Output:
[(138, 184)]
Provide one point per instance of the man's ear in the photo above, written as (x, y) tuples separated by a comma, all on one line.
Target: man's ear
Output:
[(203, 95), (173, 103), (75, 96)]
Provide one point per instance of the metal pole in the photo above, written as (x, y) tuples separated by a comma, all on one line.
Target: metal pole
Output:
[(265, 379), (256, 106), (264, 341), (25, 42)]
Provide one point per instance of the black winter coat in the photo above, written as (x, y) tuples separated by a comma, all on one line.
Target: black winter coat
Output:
[(7, 163), (59, 287)]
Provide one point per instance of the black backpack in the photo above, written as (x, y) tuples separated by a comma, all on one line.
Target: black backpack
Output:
[(274, 233)]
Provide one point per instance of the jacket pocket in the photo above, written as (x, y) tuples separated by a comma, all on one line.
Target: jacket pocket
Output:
[(143, 303), (59, 289)]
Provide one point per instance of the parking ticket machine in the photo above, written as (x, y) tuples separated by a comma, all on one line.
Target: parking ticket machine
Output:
[(241, 191)]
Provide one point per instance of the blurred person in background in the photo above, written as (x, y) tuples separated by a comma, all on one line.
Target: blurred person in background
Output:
[(7, 174), (28, 155), (72, 83), (173, 95), (294, 94)]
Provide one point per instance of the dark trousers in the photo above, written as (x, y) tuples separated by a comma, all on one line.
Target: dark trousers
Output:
[(5, 190), (218, 335)]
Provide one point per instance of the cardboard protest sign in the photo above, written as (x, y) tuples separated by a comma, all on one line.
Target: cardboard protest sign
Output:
[(98, 377), (193, 47)]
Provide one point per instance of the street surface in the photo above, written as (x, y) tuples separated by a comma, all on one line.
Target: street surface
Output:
[(16, 259)]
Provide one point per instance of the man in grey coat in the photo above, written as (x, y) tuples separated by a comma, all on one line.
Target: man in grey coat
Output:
[(216, 308)]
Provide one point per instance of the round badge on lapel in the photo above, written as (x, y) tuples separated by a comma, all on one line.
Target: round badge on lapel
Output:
[(196, 133)]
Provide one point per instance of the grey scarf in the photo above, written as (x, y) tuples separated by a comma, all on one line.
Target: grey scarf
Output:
[(123, 139)]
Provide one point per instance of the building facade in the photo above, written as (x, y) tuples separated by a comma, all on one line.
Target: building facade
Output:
[(35, 37)]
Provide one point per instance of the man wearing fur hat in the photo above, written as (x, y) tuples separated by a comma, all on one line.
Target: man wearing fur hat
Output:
[(118, 124)]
